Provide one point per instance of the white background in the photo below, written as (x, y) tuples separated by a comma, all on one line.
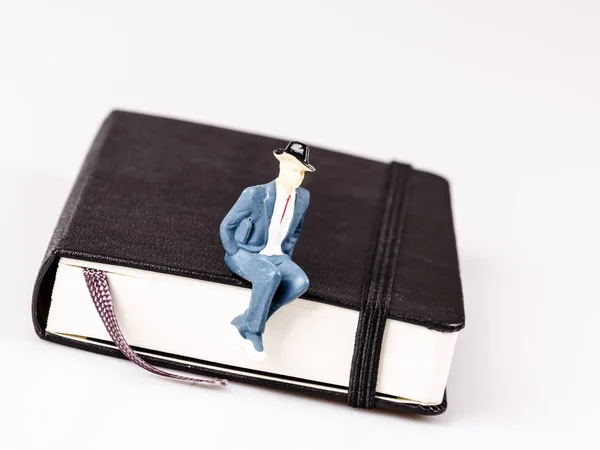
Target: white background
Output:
[(501, 97)]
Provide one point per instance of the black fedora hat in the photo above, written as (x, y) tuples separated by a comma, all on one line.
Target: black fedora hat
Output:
[(299, 151)]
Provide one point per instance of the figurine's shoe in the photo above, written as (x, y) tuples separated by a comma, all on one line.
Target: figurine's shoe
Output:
[(254, 347), (252, 344), (252, 353)]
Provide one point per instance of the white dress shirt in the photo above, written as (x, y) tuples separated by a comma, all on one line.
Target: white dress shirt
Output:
[(280, 222)]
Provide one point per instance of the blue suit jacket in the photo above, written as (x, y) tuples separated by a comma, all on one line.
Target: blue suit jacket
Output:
[(247, 224)]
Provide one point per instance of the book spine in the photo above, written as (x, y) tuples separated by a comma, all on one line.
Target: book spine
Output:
[(45, 279)]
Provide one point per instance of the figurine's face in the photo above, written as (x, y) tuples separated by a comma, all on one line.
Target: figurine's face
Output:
[(291, 174)]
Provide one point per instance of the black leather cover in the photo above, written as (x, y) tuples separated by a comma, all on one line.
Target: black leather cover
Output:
[(152, 192)]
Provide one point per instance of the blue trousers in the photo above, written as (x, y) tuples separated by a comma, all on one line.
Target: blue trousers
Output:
[(276, 281)]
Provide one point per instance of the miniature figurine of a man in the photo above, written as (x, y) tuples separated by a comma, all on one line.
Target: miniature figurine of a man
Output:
[(259, 235)]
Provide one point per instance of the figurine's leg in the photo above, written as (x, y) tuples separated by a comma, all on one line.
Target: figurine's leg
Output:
[(238, 320), (265, 278), (294, 283)]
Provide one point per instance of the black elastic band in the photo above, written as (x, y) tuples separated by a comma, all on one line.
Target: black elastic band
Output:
[(377, 290)]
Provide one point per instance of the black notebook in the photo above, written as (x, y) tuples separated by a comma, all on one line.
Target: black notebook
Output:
[(378, 324)]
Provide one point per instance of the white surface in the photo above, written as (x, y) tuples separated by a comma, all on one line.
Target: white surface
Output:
[(502, 97), (307, 340)]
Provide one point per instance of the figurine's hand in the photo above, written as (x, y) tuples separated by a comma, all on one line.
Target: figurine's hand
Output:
[(241, 210)]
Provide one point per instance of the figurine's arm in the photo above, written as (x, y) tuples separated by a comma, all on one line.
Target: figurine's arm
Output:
[(239, 211), (288, 245), (290, 242)]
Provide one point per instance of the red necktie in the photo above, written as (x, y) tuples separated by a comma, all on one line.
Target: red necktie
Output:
[(285, 208)]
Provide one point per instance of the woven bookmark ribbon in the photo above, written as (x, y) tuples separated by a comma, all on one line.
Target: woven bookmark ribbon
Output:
[(377, 290), (97, 283)]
